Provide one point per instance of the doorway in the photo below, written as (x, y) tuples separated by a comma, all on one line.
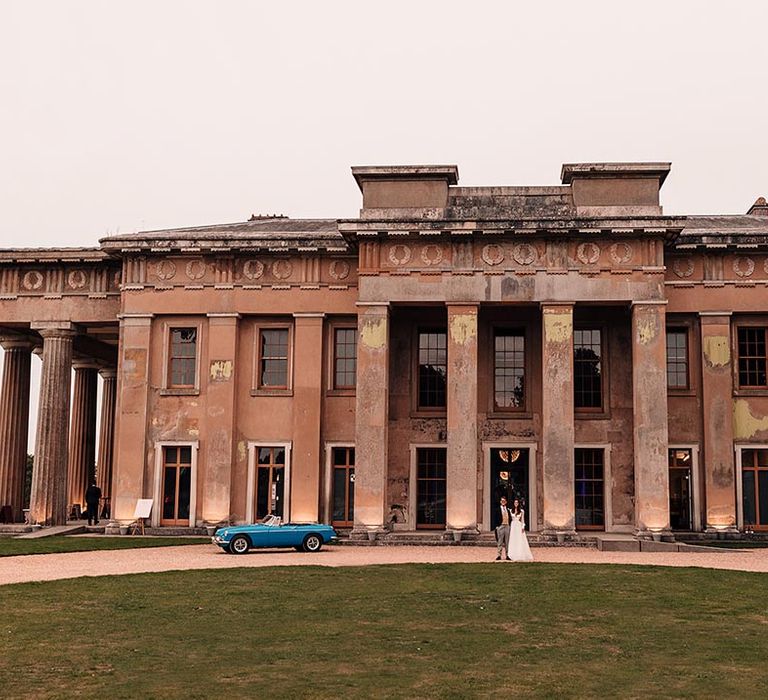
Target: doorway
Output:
[(343, 500), (680, 489), (177, 485), (509, 477), (754, 488), (270, 482)]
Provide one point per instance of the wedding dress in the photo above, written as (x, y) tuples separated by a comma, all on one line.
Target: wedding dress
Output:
[(518, 542)]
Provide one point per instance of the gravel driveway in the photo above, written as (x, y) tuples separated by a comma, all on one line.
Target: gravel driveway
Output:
[(49, 567)]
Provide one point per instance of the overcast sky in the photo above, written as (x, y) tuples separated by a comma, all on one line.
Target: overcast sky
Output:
[(123, 116)]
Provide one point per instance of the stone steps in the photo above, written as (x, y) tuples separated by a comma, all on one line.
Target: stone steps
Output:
[(445, 539)]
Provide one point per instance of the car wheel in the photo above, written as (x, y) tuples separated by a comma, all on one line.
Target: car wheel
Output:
[(313, 543), (239, 545)]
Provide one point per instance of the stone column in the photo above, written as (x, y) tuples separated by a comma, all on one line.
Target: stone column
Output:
[(14, 423), (372, 418), (132, 454), (461, 477), (82, 432), (649, 402), (106, 432), (557, 429), (717, 403), (48, 504), (307, 404), (221, 398)]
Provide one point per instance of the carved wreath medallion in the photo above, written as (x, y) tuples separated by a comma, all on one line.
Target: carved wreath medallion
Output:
[(431, 254), (621, 253), (32, 280), (743, 266), (683, 267), (282, 269), (339, 269), (166, 269), (195, 269), (76, 279), (399, 254), (253, 269), (493, 254), (524, 253), (588, 253)]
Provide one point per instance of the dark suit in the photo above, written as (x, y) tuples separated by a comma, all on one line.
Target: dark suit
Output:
[(92, 497)]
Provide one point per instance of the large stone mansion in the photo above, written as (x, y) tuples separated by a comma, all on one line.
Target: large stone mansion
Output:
[(570, 345)]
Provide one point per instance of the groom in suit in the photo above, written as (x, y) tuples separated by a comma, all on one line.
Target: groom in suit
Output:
[(502, 531)]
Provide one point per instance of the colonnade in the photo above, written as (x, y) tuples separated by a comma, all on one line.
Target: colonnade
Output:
[(557, 420), (66, 429)]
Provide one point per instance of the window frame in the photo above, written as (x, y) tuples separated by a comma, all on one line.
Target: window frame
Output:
[(737, 365), (418, 409), (593, 411), (606, 480), (686, 331), (253, 447), (256, 388), (178, 323), (331, 388), (157, 487), (510, 329), (413, 483)]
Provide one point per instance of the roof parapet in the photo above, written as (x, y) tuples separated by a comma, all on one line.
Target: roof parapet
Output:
[(616, 189), (391, 187), (572, 171)]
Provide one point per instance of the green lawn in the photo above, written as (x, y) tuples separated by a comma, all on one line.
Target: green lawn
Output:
[(438, 631), (12, 546)]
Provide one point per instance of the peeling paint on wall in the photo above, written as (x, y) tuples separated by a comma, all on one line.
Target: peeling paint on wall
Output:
[(647, 329), (558, 327), (242, 451), (717, 352), (463, 328), (374, 333), (745, 424), (221, 370)]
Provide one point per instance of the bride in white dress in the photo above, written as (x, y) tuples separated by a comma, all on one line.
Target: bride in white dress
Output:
[(518, 549)]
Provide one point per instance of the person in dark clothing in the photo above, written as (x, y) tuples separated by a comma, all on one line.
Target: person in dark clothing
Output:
[(92, 497)]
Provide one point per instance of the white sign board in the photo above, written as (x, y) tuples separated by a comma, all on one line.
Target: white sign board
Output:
[(143, 508)]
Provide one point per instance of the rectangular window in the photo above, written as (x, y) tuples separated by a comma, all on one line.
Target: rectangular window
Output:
[(752, 357), (344, 358), (587, 369), (273, 358), (433, 368), (430, 487), (590, 496), (343, 486), (754, 483), (509, 369), (182, 362), (677, 358)]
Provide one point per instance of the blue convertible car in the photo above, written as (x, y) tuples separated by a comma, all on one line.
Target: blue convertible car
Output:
[(272, 532)]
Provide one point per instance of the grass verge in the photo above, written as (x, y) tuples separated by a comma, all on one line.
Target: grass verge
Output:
[(12, 546), (431, 631)]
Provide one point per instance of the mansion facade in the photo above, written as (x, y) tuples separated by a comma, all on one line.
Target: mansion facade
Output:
[(569, 345)]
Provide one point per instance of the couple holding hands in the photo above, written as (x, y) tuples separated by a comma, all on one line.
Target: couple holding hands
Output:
[(511, 541)]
